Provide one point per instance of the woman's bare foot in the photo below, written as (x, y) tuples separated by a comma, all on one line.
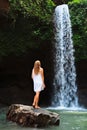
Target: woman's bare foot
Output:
[(33, 105), (37, 107)]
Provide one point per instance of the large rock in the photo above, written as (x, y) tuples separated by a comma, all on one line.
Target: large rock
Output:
[(29, 116)]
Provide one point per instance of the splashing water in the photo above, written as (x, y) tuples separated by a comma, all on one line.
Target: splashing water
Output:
[(65, 73)]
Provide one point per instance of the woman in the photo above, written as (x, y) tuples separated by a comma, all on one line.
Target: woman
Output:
[(38, 81)]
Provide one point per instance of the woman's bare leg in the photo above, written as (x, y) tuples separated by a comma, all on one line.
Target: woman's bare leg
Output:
[(36, 100)]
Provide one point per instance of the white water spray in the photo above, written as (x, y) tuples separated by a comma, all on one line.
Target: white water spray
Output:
[(65, 73)]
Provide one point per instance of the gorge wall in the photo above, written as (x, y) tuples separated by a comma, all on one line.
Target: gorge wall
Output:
[(81, 67), (15, 70), (16, 84)]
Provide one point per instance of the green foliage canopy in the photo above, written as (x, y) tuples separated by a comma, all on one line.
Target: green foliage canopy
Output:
[(33, 8), (78, 13), (31, 24)]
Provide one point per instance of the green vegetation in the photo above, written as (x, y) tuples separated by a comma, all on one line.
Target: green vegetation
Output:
[(78, 13), (30, 24), (32, 8), (78, 1)]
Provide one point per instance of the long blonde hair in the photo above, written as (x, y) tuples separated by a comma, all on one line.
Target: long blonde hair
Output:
[(37, 65)]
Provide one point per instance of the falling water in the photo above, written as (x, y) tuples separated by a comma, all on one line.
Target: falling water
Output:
[(65, 73)]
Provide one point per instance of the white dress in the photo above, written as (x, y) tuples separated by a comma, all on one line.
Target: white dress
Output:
[(38, 83)]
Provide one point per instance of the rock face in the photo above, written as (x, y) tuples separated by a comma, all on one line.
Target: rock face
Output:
[(15, 77), (31, 117), (4, 5)]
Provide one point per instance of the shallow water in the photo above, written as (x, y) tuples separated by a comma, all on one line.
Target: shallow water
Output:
[(69, 120)]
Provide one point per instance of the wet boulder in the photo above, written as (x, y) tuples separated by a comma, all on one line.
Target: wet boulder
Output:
[(31, 117)]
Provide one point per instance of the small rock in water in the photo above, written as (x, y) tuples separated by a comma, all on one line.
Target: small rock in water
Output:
[(31, 117)]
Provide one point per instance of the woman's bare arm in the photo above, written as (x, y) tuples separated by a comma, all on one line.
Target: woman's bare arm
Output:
[(42, 74)]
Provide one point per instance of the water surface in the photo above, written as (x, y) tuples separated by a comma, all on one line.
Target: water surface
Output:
[(69, 120)]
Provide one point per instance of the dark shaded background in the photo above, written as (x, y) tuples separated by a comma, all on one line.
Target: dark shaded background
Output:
[(16, 85)]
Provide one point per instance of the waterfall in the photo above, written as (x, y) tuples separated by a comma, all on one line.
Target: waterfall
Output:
[(65, 89)]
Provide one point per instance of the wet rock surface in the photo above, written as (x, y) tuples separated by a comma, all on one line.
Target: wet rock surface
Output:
[(30, 117)]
